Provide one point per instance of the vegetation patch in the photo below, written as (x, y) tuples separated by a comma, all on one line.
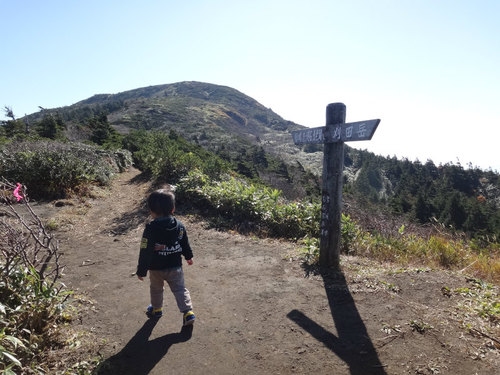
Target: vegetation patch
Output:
[(479, 299), (441, 251), (34, 305), (168, 157), (52, 169), (260, 207)]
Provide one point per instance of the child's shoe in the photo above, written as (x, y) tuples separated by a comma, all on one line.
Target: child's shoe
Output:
[(188, 318), (154, 313)]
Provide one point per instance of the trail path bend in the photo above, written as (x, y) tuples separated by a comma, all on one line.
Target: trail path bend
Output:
[(256, 312)]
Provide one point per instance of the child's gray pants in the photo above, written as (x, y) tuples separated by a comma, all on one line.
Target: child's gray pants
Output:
[(175, 279)]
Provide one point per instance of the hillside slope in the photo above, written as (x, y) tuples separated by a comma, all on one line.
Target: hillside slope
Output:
[(210, 115), (192, 104)]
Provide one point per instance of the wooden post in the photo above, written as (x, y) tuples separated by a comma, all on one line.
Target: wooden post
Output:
[(331, 209), (333, 136)]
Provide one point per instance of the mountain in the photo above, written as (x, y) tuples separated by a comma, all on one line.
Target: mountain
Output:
[(190, 105), (218, 118), (210, 115)]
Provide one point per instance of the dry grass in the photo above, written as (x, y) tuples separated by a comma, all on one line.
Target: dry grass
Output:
[(436, 252)]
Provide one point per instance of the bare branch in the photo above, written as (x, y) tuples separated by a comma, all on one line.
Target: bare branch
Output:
[(9, 113), (24, 238)]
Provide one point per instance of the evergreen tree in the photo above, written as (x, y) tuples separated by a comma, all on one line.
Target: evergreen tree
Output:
[(48, 127), (369, 181), (259, 157), (421, 210), (246, 169), (13, 126), (102, 131), (51, 127), (282, 170), (454, 212), (477, 220)]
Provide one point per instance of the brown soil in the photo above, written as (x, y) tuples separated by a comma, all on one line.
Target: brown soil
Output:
[(257, 309)]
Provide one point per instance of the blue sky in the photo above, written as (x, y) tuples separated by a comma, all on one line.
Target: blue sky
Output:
[(429, 69)]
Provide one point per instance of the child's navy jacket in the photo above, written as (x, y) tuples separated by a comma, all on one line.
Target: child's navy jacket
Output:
[(163, 242)]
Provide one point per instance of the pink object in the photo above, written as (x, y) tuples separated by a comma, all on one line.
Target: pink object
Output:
[(190, 261), (16, 192)]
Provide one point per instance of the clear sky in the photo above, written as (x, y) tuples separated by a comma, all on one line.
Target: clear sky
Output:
[(429, 69)]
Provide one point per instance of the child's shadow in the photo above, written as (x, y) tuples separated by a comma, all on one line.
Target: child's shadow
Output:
[(140, 355)]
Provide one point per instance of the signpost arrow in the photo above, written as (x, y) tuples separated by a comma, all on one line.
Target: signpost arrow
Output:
[(347, 132)]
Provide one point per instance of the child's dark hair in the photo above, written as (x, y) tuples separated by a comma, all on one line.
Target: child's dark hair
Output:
[(161, 202)]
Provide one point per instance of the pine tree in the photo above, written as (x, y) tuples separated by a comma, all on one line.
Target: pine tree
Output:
[(454, 212), (102, 131), (13, 126), (421, 210), (51, 127)]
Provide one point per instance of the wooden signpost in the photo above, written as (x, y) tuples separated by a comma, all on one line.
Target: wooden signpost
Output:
[(333, 136)]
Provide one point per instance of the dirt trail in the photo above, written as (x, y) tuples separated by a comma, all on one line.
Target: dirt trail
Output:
[(256, 312)]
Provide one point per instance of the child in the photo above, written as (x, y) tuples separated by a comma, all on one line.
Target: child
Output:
[(163, 241)]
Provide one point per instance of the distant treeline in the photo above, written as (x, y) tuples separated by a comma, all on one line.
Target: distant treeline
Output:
[(466, 199)]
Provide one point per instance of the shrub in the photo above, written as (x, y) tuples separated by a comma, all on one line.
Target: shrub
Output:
[(239, 201), (170, 157), (32, 300), (445, 252), (479, 258), (349, 232), (310, 251), (54, 169)]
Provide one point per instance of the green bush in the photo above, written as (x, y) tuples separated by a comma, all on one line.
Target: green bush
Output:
[(54, 169), (29, 308), (32, 298), (240, 201), (8, 346), (170, 157), (310, 251), (350, 233)]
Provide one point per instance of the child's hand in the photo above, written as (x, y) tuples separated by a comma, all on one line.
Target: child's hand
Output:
[(190, 261), (140, 278)]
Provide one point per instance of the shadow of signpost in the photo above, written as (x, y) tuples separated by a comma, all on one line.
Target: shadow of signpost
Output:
[(353, 344), (139, 356)]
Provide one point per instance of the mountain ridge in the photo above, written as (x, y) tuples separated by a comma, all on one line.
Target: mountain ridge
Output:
[(204, 113)]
